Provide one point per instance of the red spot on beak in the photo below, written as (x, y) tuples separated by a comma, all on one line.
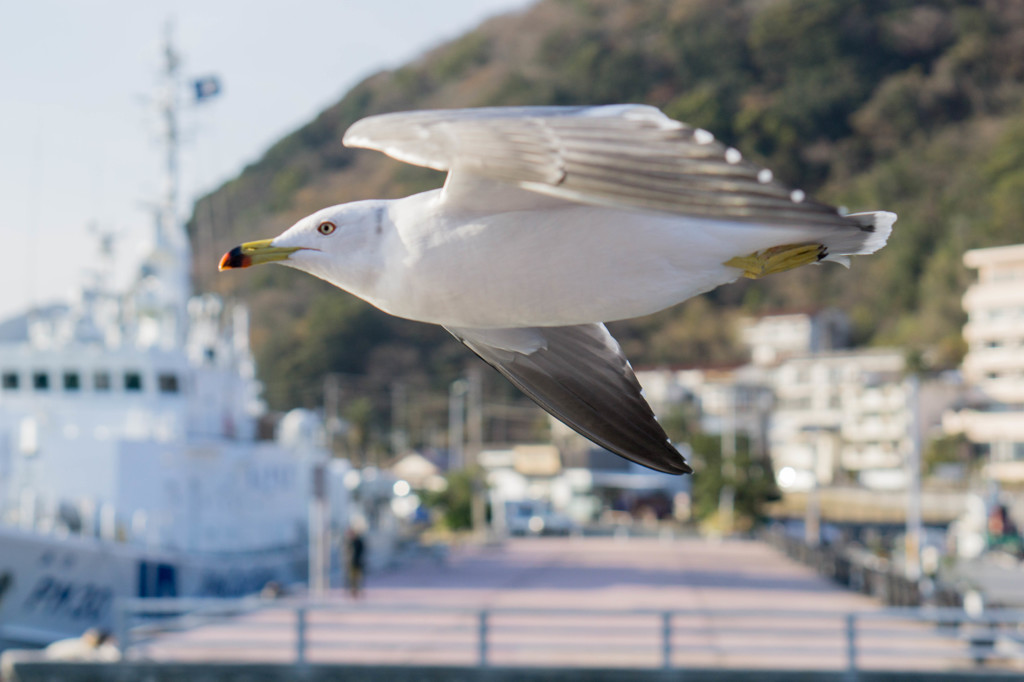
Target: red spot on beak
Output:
[(234, 259)]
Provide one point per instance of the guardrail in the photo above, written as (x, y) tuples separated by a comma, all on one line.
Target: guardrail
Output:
[(861, 572), (303, 632)]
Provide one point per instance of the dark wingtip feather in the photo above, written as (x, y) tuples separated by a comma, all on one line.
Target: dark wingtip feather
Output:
[(582, 379)]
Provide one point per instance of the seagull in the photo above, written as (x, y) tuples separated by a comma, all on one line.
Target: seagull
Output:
[(551, 222)]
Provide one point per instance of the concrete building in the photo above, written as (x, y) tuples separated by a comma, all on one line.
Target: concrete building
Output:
[(547, 489), (773, 338), (825, 416), (840, 416), (852, 417), (721, 401), (993, 368)]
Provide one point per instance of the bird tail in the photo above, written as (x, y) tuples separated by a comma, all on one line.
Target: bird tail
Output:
[(836, 246), (875, 228)]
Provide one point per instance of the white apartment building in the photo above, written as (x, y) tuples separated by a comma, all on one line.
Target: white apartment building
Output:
[(724, 401), (774, 338), (993, 368), (825, 416), (841, 415)]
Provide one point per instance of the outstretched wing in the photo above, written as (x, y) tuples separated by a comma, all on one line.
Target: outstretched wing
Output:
[(624, 156), (579, 375)]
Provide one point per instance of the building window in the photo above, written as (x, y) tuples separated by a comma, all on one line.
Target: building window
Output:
[(132, 381), (71, 381), (101, 381), (167, 383), (41, 381), (10, 381), (1018, 451)]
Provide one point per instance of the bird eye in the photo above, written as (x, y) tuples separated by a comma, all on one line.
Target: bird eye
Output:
[(325, 228)]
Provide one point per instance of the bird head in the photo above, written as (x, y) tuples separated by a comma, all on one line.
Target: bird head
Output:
[(334, 243)]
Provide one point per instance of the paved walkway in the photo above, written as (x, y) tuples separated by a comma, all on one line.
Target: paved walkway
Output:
[(428, 612), (626, 573)]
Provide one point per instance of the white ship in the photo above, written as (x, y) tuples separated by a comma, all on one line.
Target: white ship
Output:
[(129, 463)]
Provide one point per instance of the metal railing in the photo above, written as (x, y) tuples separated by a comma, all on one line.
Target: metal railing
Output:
[(864, 573), (303, 632)]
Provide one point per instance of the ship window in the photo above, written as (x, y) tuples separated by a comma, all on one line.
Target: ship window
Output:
[(101, 381), (71, 381), (41, 381), (10, 381), (132, 381), (168, 383)]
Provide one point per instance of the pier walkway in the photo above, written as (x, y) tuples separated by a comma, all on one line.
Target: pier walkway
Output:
[(584, 602)]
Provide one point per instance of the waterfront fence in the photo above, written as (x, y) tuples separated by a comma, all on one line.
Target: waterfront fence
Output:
[(302, 632)]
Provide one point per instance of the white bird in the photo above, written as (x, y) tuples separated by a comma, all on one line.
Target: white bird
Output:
[(552, 221)]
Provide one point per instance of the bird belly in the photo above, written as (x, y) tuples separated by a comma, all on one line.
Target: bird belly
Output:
[(572, 265)]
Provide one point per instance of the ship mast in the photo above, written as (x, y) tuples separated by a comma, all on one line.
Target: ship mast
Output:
[(164, 282), (168, 222)]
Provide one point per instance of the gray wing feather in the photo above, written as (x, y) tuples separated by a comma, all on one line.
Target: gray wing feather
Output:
[(625, 156), (580, 376)]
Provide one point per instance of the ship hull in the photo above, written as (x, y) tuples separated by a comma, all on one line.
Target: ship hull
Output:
[(56, 587)]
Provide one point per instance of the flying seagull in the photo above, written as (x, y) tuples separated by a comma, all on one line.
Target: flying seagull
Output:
[(552, 221)]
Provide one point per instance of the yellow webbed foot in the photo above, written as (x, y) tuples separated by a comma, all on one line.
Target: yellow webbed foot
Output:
[(777, 259)]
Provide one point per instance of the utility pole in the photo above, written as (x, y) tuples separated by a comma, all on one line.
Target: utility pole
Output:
[(812, 512), (475, 413), (456, 423), (914, 531), (727, 495), (319, 534), (399, 419), (332, 407), (475, 441)]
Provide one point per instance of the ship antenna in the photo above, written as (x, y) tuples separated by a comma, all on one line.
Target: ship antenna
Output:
[(168, 104), (164, 278), (169, 229)]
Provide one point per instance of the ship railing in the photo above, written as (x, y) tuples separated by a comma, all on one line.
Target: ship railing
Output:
[(342, 631)]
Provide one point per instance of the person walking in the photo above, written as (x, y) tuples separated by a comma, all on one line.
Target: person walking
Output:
[(355, 551)]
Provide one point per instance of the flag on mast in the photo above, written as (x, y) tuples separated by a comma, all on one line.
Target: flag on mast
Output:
[(206, 87)]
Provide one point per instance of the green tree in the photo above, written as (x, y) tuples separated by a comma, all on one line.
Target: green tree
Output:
[(751, 478), (455, 502)]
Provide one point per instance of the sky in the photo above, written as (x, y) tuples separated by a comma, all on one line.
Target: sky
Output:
[(79, 143)]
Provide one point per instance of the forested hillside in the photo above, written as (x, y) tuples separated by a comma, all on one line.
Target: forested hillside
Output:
[(914, 107)]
